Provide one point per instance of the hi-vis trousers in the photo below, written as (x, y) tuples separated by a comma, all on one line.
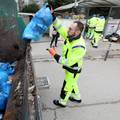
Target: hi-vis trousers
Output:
[(90, 33), (96, 38), (70, 87)]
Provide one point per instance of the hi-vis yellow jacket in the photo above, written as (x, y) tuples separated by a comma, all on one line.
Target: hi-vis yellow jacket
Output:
[(92, 22), (100, 24), (73, 51)]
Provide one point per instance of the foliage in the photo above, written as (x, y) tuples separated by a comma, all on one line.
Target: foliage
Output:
[(32, 8), (56, 3)]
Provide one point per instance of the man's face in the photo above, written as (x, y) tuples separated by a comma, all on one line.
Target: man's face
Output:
[(72, 30)]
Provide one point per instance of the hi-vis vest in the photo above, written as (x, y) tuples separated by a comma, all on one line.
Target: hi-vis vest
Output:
[(100, 25), (92, 22), (72, 52)]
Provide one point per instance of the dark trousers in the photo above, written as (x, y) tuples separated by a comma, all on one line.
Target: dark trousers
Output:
[(55, 38)]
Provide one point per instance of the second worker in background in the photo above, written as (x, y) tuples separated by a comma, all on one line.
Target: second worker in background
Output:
[(55, 36)]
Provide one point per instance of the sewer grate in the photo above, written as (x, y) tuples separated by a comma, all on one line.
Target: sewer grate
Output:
[(42, 82)]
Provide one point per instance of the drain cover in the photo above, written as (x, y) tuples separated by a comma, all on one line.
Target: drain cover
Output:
[(42, 82)]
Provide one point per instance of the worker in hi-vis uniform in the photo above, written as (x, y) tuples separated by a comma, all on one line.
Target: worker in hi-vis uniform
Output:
[(98, 31), (91, 23), (73, 51)]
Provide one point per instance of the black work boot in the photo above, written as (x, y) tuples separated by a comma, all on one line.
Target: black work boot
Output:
[(56, 102), (74, 100), (95, 46), (92, 43)]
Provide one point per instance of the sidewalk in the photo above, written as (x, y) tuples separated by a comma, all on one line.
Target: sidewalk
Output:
[(99, 84)]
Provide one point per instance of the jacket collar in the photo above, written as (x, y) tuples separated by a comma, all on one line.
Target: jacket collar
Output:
[(74, 38)]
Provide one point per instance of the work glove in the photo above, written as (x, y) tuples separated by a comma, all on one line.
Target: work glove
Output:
[(52, 51)]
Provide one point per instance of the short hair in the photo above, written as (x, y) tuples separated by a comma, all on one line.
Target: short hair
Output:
[(80, 25)]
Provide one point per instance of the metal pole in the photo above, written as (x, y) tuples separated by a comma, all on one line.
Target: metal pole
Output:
[(87, 16), (118, 26), (27, 2), (76, 3), (110, 44), (106, 23), (108, 50)]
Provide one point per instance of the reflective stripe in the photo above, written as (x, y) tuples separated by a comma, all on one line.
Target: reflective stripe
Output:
[(71, 69), (76, 68), (77, 46), (60, 61), (76, 96), (63, 102)]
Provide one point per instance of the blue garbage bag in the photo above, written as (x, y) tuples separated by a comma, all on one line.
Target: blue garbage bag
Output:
[(5, 87), (38, 25), (8, 68), (3, 76)]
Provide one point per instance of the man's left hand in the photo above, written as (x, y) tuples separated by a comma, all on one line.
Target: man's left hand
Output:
[(52, 51)]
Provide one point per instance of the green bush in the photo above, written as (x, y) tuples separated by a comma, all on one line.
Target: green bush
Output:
[(32, 8)]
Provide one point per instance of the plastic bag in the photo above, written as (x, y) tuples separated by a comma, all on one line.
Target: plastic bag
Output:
[(38, 25), (5, 87), (10, 70), (4, 94), (3, 76)]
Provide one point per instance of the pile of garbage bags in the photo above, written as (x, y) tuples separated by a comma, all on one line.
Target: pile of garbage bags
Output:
[(6, 71), (114, 37)]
